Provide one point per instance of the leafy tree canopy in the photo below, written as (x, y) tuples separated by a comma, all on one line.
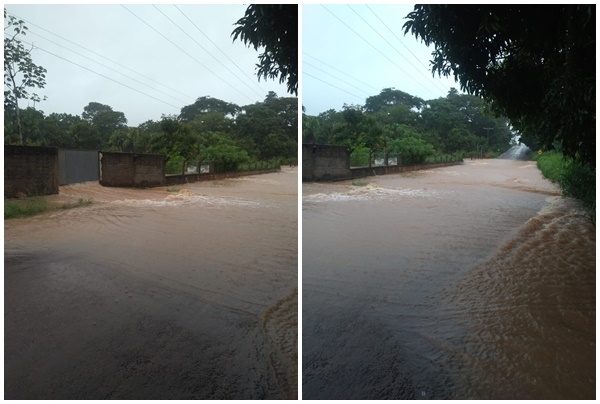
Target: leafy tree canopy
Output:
[(533, 64), (273, 27), (20, 73), (391, 96), (208, 104)]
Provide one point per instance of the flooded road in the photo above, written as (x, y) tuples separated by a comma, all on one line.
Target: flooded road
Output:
[(187, 292), (465, 282)]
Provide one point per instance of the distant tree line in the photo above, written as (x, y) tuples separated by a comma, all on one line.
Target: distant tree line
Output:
[(395, 122), (207, 130)]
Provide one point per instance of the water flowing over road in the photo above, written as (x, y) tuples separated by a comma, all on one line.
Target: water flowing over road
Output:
[(466, 282), (520, 152), (187, 293)]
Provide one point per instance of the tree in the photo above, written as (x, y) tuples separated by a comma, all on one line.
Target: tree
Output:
[(176, 141), (274, 27), (226, 155), (105, 120), (20, 73), (391, 96), (207, 104), (276, 118), (413, 150), (533, 64)]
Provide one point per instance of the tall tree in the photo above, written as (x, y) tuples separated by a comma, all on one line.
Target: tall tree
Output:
[(391, 96), (104, 119), (207, 104), (20, 73), (533, 64), (274, 27)]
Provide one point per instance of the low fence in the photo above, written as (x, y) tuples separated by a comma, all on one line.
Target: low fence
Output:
[(382, 160), (334, 163), (362, 172), (179, 179)]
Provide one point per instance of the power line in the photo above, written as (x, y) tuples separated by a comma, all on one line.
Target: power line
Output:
[(389, 43), (321, 70), (104, 57), (216, 46), (339, 71), (203, 48), (99, 74), (401, 42), (373, 46), (181, 49), (332, 85), (105, 66)]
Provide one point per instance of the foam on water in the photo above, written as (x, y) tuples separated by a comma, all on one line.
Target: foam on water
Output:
[(186, 198), (372, 192)]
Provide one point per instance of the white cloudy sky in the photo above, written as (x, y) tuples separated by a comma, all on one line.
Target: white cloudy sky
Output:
[(132, 53), (351, 52)]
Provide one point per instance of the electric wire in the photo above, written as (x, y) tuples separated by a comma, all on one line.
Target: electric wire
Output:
[(339, 71), (323, 71), (252, 80), (332, 85), (103, 57), (407, 48), (181, 49), (107, 67), (99, 74), (374, 47), (206, 50)]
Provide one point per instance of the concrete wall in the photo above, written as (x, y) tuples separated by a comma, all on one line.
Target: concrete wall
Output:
[(325, 162), (132, 170), (30, 170)]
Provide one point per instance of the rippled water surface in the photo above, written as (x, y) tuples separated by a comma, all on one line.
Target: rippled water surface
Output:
[(470, 281), (181, 292)]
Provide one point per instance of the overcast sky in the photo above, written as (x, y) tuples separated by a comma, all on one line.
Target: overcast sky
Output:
[(132, 53), (351, 52)]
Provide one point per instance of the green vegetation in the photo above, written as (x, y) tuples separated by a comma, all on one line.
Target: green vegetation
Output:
[(273, 28), (35, 205), (20, 73), (394, 122), (360, 183), (534, 66), (575, 178), (209, 130)]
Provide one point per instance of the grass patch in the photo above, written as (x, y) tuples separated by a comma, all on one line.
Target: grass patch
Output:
[(24, 207), (552, 166), (35, 205), (360, 183)]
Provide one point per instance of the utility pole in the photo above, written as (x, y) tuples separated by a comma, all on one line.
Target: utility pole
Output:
[(488, 136)]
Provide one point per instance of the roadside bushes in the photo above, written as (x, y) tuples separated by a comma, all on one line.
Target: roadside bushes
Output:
[(575, 178)]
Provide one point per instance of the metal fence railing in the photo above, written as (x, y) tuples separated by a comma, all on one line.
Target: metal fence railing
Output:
[(379, 159)]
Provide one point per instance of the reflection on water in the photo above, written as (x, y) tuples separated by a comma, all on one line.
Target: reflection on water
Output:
[(156, 293), (450, 283)]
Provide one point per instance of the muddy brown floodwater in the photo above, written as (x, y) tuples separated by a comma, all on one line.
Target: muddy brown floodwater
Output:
[(474, 281), (162, 293)]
